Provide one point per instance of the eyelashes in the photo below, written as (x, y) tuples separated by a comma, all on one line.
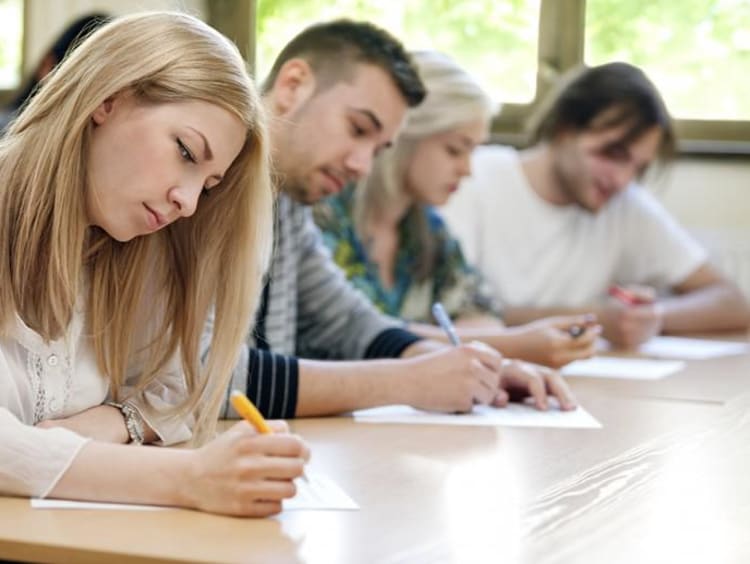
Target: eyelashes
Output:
[(188, 156), (185, 152)]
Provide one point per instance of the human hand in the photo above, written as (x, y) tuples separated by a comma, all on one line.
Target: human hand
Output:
[(556, 341), (523, 379), (631, 316), (453, 379), (102, 423), (244, 473)]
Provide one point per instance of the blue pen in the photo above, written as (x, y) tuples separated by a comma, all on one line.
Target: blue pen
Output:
[(438, 311)]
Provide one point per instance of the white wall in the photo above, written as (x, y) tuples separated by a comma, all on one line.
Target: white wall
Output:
[(708, 193), (45, 19), (711, 197)]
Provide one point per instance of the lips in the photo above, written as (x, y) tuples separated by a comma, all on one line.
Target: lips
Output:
[(154, 219), (603, 192), (334, 181)]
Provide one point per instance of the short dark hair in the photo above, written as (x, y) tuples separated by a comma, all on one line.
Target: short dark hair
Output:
[(586, 93), (332, 49)]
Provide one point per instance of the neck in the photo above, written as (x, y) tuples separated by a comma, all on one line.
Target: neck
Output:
[(537, 164), (390, 215)]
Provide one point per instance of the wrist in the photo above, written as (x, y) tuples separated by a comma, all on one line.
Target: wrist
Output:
[(133, 420), (421, 347), (187, 477)]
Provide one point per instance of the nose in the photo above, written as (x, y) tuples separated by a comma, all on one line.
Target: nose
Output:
[(359, 160), (464, 166), (185, 198)]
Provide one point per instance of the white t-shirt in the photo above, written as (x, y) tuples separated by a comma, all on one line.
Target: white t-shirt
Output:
[(537, 254), (57, 379)]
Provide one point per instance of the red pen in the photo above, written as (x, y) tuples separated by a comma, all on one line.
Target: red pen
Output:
[(626, 297)]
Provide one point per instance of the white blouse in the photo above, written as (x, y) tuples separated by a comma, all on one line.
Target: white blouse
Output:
[(57, 379)]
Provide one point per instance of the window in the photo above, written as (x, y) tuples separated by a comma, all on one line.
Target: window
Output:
[(493, 40), (11, 32), (696, 51)]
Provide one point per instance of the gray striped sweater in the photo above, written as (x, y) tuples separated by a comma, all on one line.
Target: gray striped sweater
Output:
[(308, 310)]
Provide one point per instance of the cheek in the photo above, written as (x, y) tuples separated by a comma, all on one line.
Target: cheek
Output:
[(427, 166)]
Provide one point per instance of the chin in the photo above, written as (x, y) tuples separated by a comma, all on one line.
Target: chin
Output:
[(121, 236)]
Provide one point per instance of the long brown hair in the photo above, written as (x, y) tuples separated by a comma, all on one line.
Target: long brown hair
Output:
[(148, 298)]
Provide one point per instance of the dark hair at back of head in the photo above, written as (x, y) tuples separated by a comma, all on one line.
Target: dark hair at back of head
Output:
[(596, 98), (333, 48), (65, 42)]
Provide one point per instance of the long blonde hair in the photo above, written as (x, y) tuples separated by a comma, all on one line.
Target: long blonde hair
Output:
[(216, 257), (453, 98)]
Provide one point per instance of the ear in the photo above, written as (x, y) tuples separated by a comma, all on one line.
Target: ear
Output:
[(104, 111), (294, 84)]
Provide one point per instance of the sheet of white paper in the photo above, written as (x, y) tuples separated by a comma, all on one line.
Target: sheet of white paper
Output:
[(314, 492), (37, 503), (691, 349), (625, 368), (514, 415)]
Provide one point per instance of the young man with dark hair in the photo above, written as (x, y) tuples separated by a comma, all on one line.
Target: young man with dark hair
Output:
[(555, 226), (336, 96)]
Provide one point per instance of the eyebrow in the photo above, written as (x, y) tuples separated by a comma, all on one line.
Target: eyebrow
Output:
[(467, 142), (370, 115), (207, 154)]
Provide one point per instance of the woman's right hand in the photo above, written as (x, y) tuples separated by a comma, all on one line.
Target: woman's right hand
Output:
[(246, 474)]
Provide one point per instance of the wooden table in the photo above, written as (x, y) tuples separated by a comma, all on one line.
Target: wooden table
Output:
[(664, 480), (714, 381)]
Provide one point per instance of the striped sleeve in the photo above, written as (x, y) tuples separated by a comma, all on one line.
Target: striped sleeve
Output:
[(270, 380), (334, 320), (272, 383), (391, 343)]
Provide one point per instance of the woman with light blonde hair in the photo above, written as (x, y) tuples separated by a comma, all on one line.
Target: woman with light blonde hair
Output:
[(393, 245), (135, 195)]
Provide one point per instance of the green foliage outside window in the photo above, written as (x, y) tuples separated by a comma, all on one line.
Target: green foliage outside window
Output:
[(495, 40), (696, 51)]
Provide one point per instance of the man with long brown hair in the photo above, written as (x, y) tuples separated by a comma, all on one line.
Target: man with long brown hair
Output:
[(554, 226)]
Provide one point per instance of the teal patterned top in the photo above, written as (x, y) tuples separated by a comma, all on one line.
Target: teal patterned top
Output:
[(453, 282)]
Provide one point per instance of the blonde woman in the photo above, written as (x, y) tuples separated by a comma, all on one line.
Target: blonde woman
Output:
[(385, 233), (134, 194)]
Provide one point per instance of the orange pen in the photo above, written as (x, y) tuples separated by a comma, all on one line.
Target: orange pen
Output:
[(249, 412)]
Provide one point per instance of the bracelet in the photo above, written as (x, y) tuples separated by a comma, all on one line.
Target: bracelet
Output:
[(133, 421)]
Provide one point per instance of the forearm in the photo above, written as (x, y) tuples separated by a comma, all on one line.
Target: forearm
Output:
[(716, 307), (102, 423), (127, 474), (522, 315), (487, 330), (328, 388)]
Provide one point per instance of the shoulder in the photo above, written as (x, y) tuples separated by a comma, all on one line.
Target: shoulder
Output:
[(439, 229), (637, 202)]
